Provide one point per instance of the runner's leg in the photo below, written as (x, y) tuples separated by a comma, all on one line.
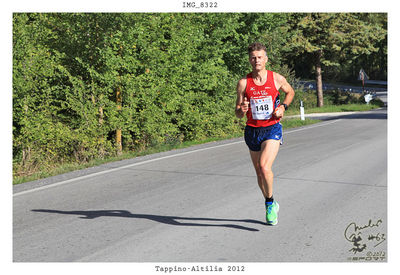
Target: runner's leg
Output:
[(255, 157), (268, 153)]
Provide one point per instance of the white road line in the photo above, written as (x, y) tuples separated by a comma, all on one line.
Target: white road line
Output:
[(152, 160)]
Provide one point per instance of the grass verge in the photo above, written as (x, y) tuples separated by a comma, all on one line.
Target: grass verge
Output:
[(69, 167), (334, 109)]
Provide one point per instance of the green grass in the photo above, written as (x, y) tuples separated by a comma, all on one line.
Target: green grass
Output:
[(294, 122), (343, 108), (69, 167), (334, 108)]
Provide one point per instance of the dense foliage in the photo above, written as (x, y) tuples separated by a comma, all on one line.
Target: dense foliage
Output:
[(81, 80), (334, 41)]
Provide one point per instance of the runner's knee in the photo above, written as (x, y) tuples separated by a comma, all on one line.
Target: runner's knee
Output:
[(258, 170), (266, 170)]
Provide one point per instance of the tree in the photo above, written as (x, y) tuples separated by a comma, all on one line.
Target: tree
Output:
[(329, 39), (375, 62)]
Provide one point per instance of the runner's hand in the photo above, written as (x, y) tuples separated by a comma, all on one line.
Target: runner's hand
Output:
[(245, 105), (278, 113)]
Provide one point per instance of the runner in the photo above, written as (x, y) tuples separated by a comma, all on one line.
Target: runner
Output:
[(258, 99)]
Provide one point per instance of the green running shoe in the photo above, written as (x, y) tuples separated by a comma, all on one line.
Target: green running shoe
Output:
[(272, 209)]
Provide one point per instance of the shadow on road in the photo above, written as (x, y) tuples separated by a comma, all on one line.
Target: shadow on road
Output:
[(171, 220)]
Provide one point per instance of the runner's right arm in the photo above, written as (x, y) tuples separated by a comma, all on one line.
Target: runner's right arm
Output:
[(242, 104)]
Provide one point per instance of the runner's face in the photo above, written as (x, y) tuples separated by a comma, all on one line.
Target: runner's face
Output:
[(258, 59)]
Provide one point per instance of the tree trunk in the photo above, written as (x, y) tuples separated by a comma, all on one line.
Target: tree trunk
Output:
[(118, 132), (318, 75)]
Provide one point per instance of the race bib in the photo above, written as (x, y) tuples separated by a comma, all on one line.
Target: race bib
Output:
[(261, 108)]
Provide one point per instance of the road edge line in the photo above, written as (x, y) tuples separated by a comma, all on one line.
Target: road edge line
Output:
[(155, 159)]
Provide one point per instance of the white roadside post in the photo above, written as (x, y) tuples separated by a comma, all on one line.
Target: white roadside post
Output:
[(368, 98), (301, 110)]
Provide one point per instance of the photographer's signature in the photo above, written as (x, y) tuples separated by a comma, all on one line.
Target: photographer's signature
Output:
[(362, 235)]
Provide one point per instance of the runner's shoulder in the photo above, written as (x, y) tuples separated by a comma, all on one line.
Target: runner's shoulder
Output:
[(279, 80), (243, 79), (279, 77), (242, 83)]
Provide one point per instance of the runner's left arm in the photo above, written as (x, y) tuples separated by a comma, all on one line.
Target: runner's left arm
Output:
[(281, 84)]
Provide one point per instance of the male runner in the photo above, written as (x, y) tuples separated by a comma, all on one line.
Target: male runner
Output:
[(258, 98)]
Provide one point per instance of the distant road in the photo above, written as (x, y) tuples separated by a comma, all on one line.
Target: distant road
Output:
[(203, 204), (351, 88), (377, 91)]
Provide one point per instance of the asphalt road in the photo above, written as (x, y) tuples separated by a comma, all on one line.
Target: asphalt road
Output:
[(202, 204)]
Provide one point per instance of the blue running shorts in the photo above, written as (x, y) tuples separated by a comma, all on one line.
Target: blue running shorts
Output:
[(254, 136)]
